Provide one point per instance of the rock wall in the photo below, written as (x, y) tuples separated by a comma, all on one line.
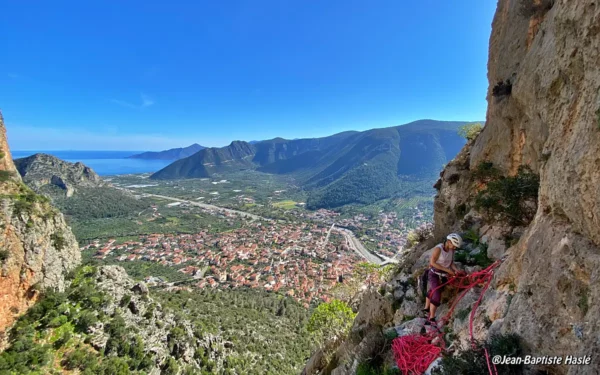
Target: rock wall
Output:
[(549, 121), (37, 247), (543, 112)]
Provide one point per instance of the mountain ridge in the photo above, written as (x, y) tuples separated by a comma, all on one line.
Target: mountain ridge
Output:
[(170, 154), (330, 166)]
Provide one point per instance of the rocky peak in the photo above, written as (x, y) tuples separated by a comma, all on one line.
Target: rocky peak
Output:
[(6, 161), (40, 170)]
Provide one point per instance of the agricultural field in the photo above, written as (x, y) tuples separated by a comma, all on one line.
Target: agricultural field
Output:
[(235, 190)]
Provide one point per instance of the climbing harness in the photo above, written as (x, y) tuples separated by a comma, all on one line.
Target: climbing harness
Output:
[(414, 353)]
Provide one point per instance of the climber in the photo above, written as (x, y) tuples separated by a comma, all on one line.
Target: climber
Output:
[(441, 265)]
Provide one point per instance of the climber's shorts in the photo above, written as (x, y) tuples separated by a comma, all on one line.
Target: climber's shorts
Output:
[(434, 281)]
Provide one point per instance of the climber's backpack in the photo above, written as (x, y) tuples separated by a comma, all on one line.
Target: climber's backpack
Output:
[(423, 282)]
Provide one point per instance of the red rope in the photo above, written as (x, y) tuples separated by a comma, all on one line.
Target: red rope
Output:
[(415, 353)]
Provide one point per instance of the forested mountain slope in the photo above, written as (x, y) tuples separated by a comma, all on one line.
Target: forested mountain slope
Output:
[(349, 167)]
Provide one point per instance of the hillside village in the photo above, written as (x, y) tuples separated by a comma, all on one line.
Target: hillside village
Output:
[(303, 261)]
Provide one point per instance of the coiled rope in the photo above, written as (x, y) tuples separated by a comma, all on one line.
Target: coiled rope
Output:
[(414, 353)]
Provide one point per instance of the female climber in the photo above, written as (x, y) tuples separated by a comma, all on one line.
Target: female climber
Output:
[(441, 265)]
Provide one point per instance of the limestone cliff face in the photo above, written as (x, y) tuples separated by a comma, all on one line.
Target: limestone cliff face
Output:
[(6, 161), (543, 112), (37, 247), (40, 170), (550, 121)]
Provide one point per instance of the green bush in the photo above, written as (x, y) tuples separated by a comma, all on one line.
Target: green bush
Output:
[(368, 368), (485, 171), (24, 355), (480, 259), (21, 206), (470, 131), (473, 362), (80, 359), (331, 321), (114, 366), (171, 367), (511, 199), (86, 320), (5, 175), (471, 236), (530, 8), (58, 241), (463, 314), (4, 254), (62, 340), (24, 203), (125, 300)]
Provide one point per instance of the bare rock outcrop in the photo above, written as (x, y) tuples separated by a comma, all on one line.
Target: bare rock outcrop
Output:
[(40, 170), (156, 326), (37, 247)]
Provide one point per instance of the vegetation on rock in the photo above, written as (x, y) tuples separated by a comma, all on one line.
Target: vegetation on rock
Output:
[(473, 361), (6, 175), (470, 131), (331, 321), (510, 199), (259, 332), (530, 8), (420, 234)]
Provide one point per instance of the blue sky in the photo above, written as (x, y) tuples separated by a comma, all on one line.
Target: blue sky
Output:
[(147, 75)]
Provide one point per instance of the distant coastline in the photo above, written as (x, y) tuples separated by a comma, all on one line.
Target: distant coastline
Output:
[(105, 163)]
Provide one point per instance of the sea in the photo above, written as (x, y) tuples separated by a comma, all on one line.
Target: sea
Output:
[(105, 163)]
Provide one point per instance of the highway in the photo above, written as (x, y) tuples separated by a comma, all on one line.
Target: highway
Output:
[(357, 246), (203, 205)]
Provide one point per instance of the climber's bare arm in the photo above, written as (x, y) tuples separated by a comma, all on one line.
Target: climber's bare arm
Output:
[(454, 268)]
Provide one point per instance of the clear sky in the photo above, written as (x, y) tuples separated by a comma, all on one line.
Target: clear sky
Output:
[(150, 75)]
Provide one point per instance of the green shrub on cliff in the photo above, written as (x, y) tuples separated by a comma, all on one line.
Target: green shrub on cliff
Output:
[(58, 240), (511, 199), (470, 131), (57, 328), (473, 362), (5, 175), (485, 172), (331, 321)]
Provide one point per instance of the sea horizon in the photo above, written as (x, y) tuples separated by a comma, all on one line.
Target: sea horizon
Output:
[(103, 162)]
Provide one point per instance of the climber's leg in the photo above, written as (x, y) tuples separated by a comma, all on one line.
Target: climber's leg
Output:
[(435, 297), (432, 309)]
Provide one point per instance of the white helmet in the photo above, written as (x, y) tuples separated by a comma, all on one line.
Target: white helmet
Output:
[(455, 239)]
